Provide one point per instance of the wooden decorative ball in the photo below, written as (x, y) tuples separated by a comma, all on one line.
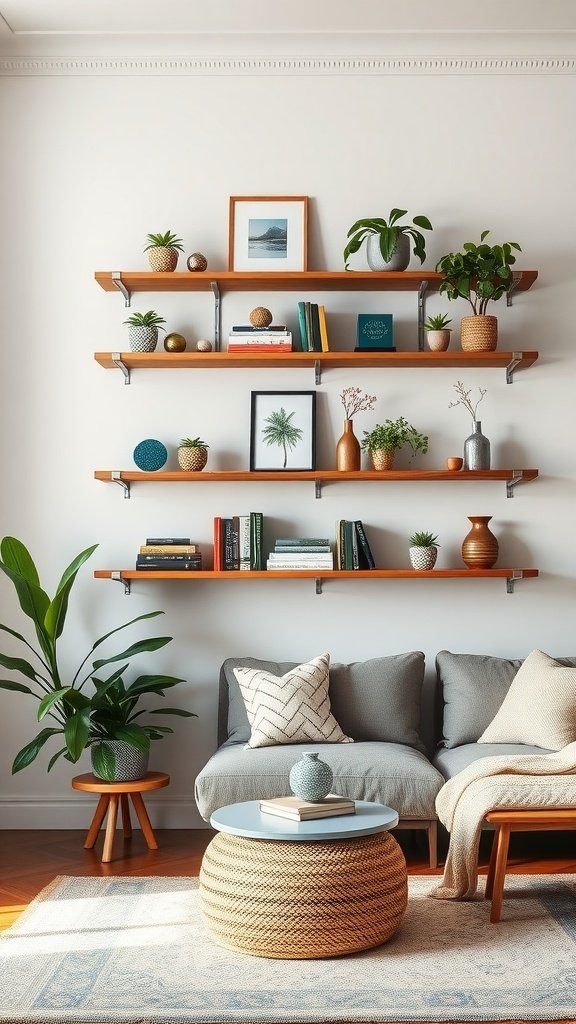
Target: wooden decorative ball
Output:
[(197, 262), (204, 346), (260, 317), (175, 343)]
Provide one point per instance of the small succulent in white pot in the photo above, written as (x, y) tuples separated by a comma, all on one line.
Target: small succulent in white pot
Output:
[(143, 333), (163, 251), (423, 550), (192, 454), (438, 332)]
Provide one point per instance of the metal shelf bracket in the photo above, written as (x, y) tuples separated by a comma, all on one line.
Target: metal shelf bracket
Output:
[(516, 278), (421, 308), (516, 358), (318, 586), (118, 578), (517, 574), (124, 484), (317, 488), (317, 372), (517, 476), (117, 360), (117, 280), (217, 315)]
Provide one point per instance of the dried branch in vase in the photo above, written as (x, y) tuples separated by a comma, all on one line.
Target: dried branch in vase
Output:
[(354, 400)]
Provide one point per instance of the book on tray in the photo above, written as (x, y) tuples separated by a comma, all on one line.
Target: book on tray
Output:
[(307, 810)]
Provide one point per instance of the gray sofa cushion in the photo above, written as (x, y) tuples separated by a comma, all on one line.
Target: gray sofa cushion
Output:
[(473, 687), (378, 699), (450, 762), (390, 773)]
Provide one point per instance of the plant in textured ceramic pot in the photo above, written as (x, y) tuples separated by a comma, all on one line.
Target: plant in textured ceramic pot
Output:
[(423, 550), (481, 273), (438, 332), (387, 241), (143, 330), (387, 438), (108, 712), (192, 454), (163, 249)]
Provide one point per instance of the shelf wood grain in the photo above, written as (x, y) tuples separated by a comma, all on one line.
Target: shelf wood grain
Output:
[(326, 574), (326, 360), (322, 475)]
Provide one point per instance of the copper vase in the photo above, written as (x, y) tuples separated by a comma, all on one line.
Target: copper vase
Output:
[(348, 449), (480, 547)]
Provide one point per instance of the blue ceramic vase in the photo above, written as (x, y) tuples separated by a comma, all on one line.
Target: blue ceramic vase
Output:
[(311, 778)]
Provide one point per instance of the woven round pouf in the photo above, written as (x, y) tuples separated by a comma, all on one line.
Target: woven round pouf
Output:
[(302, 901)]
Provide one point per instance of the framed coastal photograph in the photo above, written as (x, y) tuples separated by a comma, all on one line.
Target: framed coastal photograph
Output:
[(268, 233), (283, 430)]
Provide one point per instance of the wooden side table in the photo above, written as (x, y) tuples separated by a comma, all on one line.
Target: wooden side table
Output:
[(113, 794)]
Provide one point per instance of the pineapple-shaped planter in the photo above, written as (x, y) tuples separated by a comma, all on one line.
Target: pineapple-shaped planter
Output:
[(143, 333), (423, 551), (163, 251), (192, 454)]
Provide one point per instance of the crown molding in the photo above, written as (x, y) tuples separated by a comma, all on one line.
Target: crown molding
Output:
[(337, 65)]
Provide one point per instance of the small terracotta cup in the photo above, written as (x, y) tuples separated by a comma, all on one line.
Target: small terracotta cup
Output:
[(454, 462)]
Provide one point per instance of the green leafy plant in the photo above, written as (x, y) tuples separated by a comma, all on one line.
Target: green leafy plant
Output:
[(423, 539), (438, 323), (388, 232), (167, 240), (149, 319), (394, 434), (81, 719), (280, 430), (192, 442), (480, 274)]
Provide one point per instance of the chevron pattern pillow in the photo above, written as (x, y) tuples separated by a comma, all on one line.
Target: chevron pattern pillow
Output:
[(293, 708)]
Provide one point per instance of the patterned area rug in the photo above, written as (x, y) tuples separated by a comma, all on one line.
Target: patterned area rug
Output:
[(111, 950)]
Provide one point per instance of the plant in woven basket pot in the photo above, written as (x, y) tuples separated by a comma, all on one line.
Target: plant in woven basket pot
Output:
[(387, 241), (143, 330), (192, 454), (438, 332), (163, 251), (423, 550), (389, 437), (481, 273)]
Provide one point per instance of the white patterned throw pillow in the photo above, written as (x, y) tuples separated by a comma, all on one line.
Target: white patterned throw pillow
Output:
[(293, 708), (539, 708)]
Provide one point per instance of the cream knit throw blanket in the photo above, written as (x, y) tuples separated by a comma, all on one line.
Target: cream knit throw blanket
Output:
[(522, 781)]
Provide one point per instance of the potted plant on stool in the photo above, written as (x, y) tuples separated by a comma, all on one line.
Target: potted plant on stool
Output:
[(387, 438)]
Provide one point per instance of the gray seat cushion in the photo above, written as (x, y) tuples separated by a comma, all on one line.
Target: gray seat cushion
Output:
[(451, 761), (387, 773)]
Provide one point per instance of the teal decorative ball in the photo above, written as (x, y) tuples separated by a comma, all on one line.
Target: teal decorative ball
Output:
[(150, 455), (311, 778)]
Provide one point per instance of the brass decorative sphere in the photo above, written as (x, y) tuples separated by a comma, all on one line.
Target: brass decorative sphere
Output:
[(197, 262), (175, 343), (260, 317), (204, 346)]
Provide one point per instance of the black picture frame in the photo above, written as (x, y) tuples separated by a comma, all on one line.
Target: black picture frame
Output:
[(282, 431)]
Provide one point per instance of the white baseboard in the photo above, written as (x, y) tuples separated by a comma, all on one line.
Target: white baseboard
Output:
[(39, 812)]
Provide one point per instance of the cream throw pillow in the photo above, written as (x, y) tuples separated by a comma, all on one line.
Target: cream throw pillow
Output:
[(294, 708), (539, 708)]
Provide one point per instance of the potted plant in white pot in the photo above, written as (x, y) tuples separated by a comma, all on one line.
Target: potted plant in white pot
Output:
[(101, 716), (385, 439), (438, 332), (163, 249), (387, 241), (192, 454), (143, 330), (423, 550), (481, 273)]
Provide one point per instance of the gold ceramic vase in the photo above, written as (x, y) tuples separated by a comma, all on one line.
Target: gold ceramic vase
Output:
[(348, 449), (480, 547)]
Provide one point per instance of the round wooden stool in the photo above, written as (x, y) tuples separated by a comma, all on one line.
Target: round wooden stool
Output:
[(112, 794)]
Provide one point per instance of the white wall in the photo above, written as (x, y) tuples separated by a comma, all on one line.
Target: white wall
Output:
[(90, 165)]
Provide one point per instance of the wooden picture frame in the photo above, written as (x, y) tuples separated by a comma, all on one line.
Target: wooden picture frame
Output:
[(283, 431), (268, 233)]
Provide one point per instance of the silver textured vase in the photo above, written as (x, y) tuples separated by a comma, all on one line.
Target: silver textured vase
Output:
[(311, 778), (477, 449)]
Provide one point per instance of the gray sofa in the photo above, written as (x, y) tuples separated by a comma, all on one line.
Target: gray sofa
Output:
[(378, 703)]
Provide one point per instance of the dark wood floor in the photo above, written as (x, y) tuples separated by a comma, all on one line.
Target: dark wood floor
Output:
[(29, 860)]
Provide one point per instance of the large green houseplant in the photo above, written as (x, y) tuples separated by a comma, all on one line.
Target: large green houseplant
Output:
[(387, 241), (83, 715), (481, 273)]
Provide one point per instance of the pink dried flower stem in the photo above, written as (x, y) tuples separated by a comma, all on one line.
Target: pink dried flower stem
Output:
[(354, 400)]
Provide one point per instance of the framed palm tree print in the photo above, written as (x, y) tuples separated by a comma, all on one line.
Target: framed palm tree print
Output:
[(283, 430)]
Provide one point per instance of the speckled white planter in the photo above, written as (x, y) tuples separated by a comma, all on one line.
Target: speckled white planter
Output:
[(423, 558)]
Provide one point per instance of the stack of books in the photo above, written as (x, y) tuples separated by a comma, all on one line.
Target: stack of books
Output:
[(170, 554), (352, 547), (244, 338), (301, 553), (306, 810), (313, 328), (238, 542)]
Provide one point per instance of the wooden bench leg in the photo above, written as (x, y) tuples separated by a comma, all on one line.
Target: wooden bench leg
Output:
[(126, 823), (144, 821), (497, 871), (99, 815), (110, 828), (433, 843)]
